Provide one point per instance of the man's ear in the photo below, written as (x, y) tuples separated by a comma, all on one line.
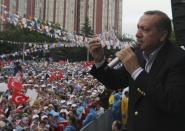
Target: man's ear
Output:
[(164, 36)]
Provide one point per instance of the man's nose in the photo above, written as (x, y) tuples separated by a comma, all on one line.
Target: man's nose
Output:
[(138, 33)]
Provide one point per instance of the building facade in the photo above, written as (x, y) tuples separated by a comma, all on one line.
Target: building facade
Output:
[(104, 15)]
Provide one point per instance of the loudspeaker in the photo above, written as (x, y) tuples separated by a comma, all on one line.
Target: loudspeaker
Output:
[(178, 13)]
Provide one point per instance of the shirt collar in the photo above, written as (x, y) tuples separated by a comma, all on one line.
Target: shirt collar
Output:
[(153, 54)]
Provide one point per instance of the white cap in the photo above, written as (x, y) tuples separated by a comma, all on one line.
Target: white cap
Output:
[(44, 116), (45, 107), (35, 116), (36, 85), (69, 103), (73, 105), (64, 110), (30, 81), (62, 101), (50, 105), (43, 85), (72, 96), (36, 111)]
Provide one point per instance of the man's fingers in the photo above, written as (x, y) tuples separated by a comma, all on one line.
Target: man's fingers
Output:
[(95, 46), (93, 41), (125, 52)]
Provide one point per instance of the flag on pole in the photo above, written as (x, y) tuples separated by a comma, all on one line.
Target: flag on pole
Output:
[(19, 98)]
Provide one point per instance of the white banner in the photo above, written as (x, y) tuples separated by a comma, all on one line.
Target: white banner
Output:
[(32, 94)]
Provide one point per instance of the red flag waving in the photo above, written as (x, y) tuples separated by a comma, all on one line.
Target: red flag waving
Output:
[(18, 77), (60, 76), (17, 86), (52, 77), (19, 98), (12, 84)]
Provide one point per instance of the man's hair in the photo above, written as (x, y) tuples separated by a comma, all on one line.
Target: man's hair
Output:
[(164, 23)]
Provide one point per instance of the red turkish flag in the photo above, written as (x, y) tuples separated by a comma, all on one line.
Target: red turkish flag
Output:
[(52, 77), (18, 77), (12, 84), (19, 98), (1, 63), (17, 86), (60, 76)]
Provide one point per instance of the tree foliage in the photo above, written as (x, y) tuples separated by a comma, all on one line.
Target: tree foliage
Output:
[(127, 38), (17, 34), (86, 28)]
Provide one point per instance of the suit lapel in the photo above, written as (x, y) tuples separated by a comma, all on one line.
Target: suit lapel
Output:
[(159, 60), (142, 62), (140, 58), (158, 63)]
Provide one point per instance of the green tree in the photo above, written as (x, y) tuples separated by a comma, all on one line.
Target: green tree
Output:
[(127, 38), (16, 34), (86, 28)]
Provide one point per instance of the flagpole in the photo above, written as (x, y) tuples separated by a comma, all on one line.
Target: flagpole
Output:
[(88, 52), (1, 22), (23, 52), (44, 54)]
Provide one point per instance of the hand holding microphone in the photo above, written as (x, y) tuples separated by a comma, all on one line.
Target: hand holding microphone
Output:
[(127, 57), (116, 60)]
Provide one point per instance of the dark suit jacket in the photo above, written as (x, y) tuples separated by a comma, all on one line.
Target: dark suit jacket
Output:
[(156, 99)]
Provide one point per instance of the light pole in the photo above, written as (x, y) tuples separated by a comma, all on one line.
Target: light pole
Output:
[(1, 21), (88, 52), (23, 57), (31, 10)]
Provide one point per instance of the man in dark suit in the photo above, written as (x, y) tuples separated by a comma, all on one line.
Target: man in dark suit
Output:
[(154, 72)]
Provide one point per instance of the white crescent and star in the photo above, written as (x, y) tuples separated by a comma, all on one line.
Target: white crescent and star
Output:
[(19, 99), (12, 84)]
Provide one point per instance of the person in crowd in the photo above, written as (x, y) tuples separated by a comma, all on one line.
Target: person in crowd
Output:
[(111, 99), (72, 124), (154, 72), (91, 115), (116, 125), (99, 109), (17, 68), (104, 98), (124, 108), (116, 107), (46, 110)]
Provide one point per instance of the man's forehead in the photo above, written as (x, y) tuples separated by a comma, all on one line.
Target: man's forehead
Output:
[(148, 20)]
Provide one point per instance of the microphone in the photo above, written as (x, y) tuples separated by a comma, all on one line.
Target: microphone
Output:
[(116, 60)]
